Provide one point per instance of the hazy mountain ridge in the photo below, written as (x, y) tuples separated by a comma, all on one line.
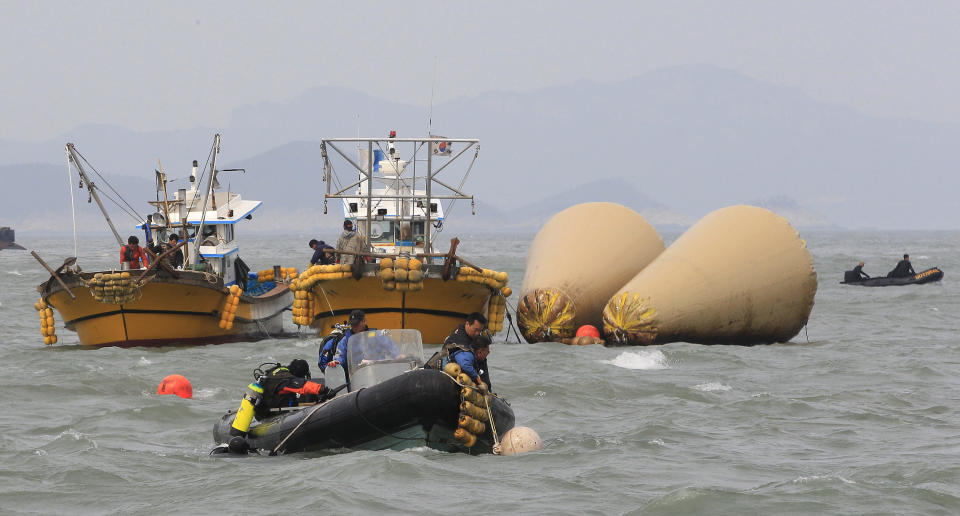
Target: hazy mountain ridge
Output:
[(692, 138)]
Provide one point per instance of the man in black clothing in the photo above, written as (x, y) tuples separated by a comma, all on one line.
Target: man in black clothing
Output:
[(321, 255), (176, 259), (855, 275), (903, 269), (462, 337)]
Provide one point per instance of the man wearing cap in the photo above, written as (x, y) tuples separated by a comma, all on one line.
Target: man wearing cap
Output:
[(322, 253), (358, 324)]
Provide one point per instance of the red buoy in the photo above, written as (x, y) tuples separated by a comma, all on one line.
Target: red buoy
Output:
[(176, 384), (588, 330)]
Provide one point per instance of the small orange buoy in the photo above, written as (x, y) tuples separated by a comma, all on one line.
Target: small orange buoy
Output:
[(176, 384), (588, 330)]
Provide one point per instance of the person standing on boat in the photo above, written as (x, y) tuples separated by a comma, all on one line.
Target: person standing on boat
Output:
[(903, 269), (349, 241), (322, 253), (176, 259), (132, 255), (856, 274)]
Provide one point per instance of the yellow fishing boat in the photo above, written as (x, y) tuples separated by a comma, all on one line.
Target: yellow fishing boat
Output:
[(394, 274), (208, 298)]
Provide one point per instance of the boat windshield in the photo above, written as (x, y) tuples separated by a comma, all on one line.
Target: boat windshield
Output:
[(376, 355), (381, 232)]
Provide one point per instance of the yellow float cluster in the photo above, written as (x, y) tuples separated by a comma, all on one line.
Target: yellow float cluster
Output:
[(288, 273), (47, 324), (473, 407), (230, 307), (265, 275), (305, 303), (495, 281), (318, 273), (496, 309), (401, 274), (492, 279), (113, 287), (304, 307)]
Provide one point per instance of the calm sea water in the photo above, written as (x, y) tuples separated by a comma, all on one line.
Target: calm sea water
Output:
[(859, 414)]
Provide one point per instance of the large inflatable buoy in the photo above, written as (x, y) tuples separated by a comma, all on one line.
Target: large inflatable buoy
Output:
[(565, 286), (741, 275), (520, 439)]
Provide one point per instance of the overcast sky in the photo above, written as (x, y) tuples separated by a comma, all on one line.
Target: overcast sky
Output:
[(174, 65)]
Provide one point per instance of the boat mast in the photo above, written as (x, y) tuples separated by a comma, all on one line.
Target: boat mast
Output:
[(369, 188), (198, 240), (93, 190), (426, 229)]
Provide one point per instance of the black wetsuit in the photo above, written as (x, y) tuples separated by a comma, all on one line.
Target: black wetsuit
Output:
[(903, 269), (855, 275)]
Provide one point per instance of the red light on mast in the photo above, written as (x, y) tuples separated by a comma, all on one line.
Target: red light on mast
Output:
[(393, 134)]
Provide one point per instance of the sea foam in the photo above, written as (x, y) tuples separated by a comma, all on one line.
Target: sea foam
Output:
[(654, 359)]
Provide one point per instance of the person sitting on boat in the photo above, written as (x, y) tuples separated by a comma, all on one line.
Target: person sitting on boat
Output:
[(903, 269), (132, 255), (358, 324), (322, 253), (176, 259), (278, 387), (349, 241), (856, 274), (474, 362)]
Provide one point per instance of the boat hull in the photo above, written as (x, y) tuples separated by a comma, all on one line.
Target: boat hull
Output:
[(436, 310), (168, 311), (928, 276), (415, 409)]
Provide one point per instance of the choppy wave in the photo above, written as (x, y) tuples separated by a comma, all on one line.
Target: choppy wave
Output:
[(643, 360)]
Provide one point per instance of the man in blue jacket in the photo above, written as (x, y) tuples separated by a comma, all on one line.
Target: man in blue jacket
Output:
[(358, 324), (474, 362)]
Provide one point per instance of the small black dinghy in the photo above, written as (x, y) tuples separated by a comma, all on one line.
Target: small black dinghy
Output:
[(391, 402), (928, 276)]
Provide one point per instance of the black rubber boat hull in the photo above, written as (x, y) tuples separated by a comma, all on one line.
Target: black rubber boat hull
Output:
[(417, 408), (927, 276)]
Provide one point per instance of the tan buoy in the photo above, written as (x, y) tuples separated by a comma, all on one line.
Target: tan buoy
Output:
[(741, 275), (578, 260), (520, 439)]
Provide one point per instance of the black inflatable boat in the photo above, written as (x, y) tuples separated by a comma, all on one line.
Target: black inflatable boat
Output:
[(927, 276), (392, 403)]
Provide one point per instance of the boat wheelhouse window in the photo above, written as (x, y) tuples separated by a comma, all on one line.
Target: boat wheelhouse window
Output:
[(227, 233), (418, 231), (382, 232)]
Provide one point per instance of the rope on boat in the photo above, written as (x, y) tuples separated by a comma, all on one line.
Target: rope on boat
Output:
[(302, 421)]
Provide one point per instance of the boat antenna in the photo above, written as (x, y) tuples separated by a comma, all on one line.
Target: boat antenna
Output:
[(433, 87)]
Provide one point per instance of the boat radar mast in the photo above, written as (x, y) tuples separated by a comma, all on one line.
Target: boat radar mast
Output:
[(395, 206)]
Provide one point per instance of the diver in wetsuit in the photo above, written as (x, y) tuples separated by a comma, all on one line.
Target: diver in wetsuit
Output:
[(855, 275), (903, 269), (276, 388)]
